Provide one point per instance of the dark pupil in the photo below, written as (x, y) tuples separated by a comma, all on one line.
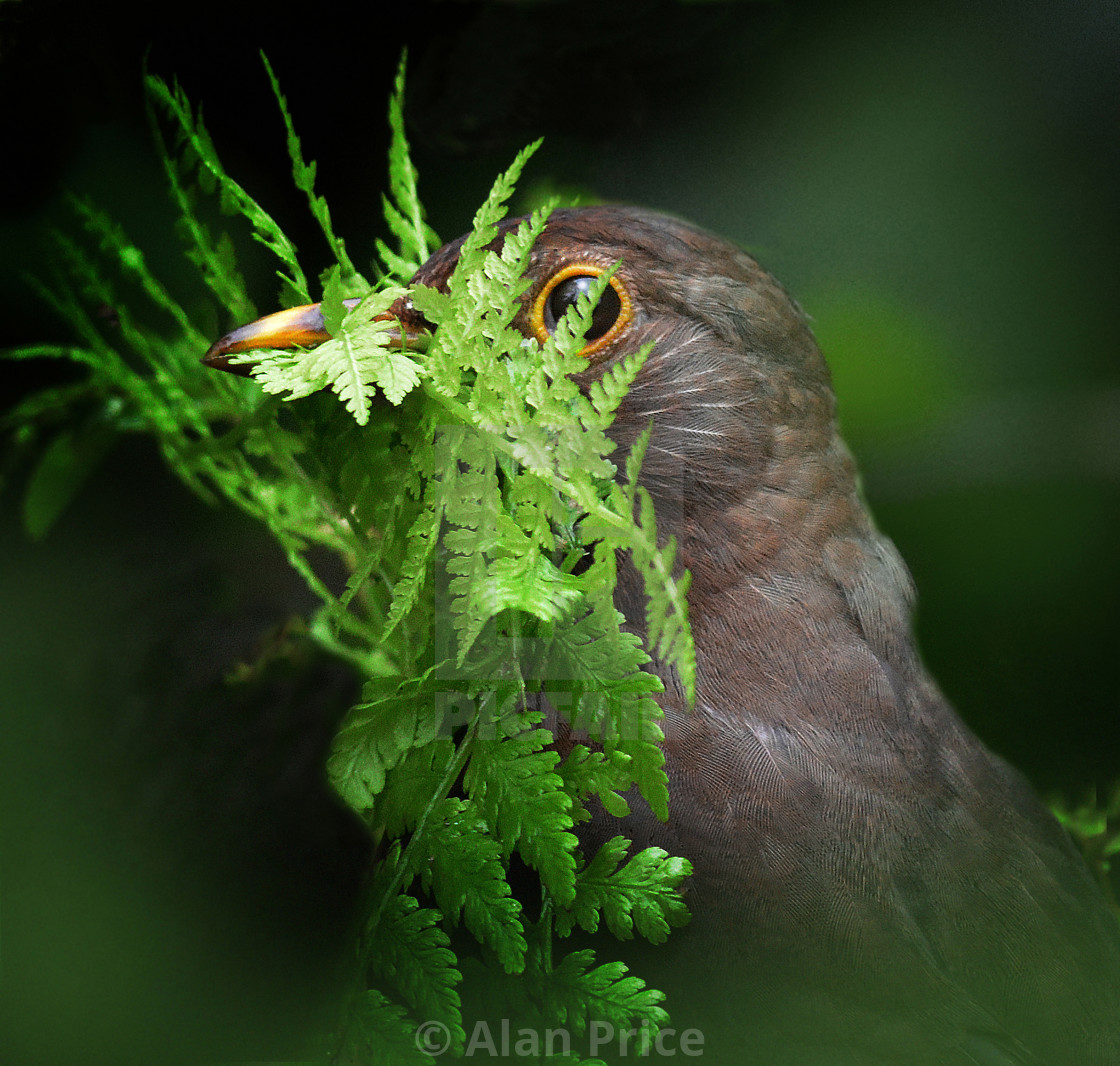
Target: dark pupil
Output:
[(568, 291)]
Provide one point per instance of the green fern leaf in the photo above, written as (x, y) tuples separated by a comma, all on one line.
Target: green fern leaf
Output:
[(581, 993), (386, 1034), (392, 718), (414, 955), (234, 198), (403, 212), (643, 894), (304, 176), (513, 780), (466, 875)]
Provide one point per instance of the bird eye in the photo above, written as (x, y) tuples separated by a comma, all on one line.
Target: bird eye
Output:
[(564, 288), (571, 289)]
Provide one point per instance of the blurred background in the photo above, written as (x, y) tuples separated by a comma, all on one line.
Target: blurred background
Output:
[(937, 186)]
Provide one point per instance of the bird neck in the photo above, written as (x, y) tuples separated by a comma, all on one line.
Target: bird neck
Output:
[(800, 608)]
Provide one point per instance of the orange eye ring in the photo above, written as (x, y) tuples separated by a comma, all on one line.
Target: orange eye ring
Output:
[(543, 319)]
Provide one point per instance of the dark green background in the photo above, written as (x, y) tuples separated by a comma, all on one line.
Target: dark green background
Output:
[(936, 184)]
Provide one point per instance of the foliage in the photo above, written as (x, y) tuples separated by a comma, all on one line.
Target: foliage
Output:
[(479, 516), (1095, 826)]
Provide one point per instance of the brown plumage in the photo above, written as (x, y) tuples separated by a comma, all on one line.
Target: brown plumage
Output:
[(871, 884)]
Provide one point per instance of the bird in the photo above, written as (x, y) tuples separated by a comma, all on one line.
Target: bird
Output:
[(870, 883)]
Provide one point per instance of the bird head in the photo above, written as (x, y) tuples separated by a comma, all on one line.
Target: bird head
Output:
[(744, 446)]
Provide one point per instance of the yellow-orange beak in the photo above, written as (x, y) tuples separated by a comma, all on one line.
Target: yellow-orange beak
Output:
[(297, 327)]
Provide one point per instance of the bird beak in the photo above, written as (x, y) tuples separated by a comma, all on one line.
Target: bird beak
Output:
[(301, 327)]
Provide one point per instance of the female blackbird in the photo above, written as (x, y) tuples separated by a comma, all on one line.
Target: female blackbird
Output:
[(871, 884)]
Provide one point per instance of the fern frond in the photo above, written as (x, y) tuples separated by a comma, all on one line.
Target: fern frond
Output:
[(581, 993), (233, 197), (403, 210), (522, 798), (468, 878), (303, 174), (386, 1034), (641, 894), (463, 511), (414, 955)]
